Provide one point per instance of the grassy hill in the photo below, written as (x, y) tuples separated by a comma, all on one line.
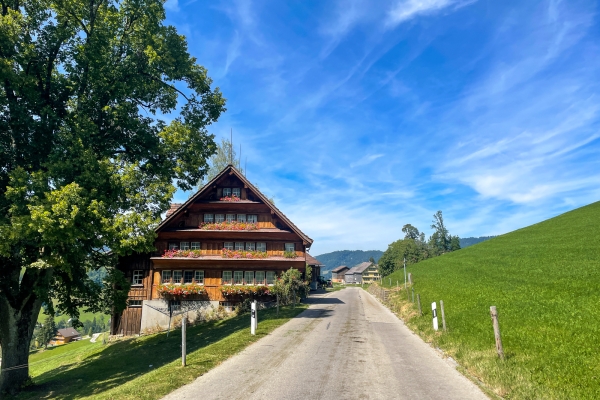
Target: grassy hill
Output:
[(545, 282), (346, 257)]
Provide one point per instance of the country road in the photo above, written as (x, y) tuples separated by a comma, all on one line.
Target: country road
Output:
[(345, 346)]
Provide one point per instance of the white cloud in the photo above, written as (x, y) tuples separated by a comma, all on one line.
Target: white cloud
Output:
[(405, 10), (366, 160)]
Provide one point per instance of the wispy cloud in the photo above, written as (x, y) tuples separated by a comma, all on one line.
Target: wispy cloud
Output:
[(405, 10), (366, 160)]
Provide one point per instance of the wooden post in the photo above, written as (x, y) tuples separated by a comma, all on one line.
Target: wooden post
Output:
[(499, 349), (183, 349), (443, 315), (410, 278), (413, 293), (419, 302)]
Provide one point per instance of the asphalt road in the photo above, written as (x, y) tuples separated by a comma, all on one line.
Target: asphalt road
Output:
[(345, 346)]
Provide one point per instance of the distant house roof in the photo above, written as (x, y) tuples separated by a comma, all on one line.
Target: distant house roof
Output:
[(68, 332), (339, 269), (360, 268), (310, 260), (351, 271)]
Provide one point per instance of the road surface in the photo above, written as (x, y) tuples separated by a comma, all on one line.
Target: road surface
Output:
[(345, 346)]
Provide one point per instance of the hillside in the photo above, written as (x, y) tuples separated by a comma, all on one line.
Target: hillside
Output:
[(470, 241), (544, 281), (346, 257)]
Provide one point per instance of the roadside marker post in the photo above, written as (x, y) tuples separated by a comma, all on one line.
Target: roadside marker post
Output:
[(183, 337), (434, 314), (253, 318)]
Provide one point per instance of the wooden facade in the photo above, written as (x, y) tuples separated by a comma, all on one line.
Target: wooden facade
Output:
[(276, 237)]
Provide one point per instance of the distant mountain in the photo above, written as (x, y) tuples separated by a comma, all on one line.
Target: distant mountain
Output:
[(470, 241), (346, 257)]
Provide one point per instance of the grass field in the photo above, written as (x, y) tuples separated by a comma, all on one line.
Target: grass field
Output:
[(545, 282), (146, 367)]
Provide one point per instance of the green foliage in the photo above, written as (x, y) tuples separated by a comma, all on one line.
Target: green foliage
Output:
[(225, 154), (544, 281), (86, 163), (290, 286), (46, 332)]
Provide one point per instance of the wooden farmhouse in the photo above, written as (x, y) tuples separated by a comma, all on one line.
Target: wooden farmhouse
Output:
[(338, 274), (65, 335), (226, 239)]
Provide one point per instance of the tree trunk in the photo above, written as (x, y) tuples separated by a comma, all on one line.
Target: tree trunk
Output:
[(16, 329)]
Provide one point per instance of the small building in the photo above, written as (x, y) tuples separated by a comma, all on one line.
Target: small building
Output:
[(65, 335), (338, 274), (360, 273), (315, 266), (371, 274)]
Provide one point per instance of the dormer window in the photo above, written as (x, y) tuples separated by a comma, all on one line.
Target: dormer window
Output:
[(226, 192), (236, 192)]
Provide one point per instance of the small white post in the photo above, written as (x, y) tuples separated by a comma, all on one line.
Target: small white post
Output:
[(183, 349), (253, 318), (434, 313)]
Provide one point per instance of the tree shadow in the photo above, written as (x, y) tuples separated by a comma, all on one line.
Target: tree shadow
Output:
[(126, 360)]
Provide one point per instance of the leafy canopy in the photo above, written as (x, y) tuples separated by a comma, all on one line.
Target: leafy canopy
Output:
[(103, 113)]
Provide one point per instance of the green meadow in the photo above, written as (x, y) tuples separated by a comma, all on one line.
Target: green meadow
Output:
[(146, 367), (545, 282)]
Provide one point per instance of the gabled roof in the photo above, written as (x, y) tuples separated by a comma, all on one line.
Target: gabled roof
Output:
[(310, 260), (360, 268), (68, 332), (240, 176), (339, 269)]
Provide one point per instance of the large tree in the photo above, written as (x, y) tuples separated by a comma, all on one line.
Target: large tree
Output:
[(103, 113)]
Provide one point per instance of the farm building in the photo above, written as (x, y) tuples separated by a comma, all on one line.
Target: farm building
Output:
[(65, 335), (226, 235), (316, 266), (364, 272), (338, 273)]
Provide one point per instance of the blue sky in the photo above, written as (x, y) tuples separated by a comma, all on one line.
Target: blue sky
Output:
[(359, 116)]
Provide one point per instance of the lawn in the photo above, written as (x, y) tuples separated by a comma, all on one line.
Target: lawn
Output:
[(544, 281), (146, 367)]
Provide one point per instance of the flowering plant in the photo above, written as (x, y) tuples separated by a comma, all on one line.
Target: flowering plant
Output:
[(182, 253), (229, 226), (170, 289), (230, 198), (244, 254), (289, 254), (254, 290)]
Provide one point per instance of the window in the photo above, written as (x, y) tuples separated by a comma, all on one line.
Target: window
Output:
[(241, 217), (184, 245), (270, 277), (239, 245), (208, 218), (236, 192), (134, 303), (188, 276), (195, 246), (228, 245), (238, 277), (226, 278), (199, 278), (166, 277), (230, 217), (176, 276), (138, 277), (226, 192), (261, 246), (289, 247), (249, 278), (250, 246), (173, 246), (252, 218), (219, 218), (260, 277)]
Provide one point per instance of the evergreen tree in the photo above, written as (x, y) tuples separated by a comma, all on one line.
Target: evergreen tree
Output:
[(47, 331)]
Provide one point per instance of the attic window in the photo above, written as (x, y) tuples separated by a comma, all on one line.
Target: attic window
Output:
[(290, 247), (226, 192), (253, 218), (236, 192)]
